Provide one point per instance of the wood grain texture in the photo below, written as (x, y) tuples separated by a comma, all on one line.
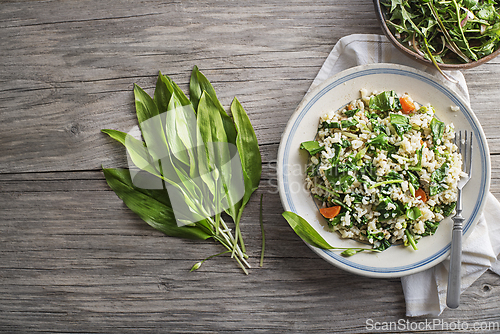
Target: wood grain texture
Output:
[(74, 259)]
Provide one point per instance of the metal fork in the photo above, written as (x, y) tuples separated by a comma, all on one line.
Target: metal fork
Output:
[(464, 144)]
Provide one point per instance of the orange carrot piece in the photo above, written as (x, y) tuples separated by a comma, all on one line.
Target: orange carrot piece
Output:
[(330, 212), (420, 193), (407, 104)]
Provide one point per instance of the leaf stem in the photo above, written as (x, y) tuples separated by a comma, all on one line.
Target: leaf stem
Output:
[(237, 234), (197, 265), (457, 8), (452, 46), (226, 238), (238, 230), (447, 77), (231, 240), (240, 263), (411, 240)]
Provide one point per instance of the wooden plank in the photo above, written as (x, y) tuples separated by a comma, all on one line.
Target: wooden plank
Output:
[(72, 140), (75, 259), (62, 56)]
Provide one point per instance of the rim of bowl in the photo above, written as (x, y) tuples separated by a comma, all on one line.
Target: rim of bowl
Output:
[(416, 56)]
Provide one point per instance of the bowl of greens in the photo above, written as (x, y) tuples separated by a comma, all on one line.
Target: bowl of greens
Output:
[(456, 34)]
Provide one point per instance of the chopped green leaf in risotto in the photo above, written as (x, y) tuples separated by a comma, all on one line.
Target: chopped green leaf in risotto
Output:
[(388, 166)]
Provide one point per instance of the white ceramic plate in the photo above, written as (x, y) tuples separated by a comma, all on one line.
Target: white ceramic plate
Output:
[(335, 93)]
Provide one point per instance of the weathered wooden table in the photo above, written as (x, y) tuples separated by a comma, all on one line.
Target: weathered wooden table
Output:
[(73, 258)]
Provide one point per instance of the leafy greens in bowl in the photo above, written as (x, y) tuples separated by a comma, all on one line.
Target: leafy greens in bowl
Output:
[(454, 34)]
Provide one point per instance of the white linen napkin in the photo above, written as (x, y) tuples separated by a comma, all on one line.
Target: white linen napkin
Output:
[(425, 292)]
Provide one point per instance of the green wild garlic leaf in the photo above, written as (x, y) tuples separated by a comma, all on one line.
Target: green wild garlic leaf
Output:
[(194, 163), (312, 147)]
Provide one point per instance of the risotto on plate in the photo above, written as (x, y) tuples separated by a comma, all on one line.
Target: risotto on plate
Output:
[(383, 169)]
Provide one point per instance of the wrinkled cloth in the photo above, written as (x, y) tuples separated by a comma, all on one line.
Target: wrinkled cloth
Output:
[(425, 292)]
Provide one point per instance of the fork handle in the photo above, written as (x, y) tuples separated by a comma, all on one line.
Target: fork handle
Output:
[(454, 276)]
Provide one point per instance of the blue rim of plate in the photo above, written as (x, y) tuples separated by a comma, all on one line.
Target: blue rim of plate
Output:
[(480, 143)]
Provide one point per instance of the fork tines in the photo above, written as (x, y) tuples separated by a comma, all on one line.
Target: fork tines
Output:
[(463, 140)]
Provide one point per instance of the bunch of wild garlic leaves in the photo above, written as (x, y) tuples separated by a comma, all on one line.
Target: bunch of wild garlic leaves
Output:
[(193, 163), (446, 31)]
